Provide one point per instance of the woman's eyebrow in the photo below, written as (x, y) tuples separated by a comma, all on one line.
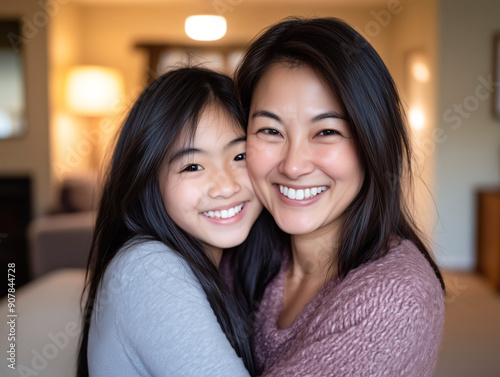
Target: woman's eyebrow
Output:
[(265, 114), (328, 114), (317, 118)]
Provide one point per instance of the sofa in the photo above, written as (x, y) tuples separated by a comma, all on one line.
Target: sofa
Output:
[(45, 332), (62, 238), (42, 334)]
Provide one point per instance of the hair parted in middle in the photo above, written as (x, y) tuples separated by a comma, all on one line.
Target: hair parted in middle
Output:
[(358, 78)]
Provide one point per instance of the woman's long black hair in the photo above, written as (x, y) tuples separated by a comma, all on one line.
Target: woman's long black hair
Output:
[(359, 79), (131, 204)]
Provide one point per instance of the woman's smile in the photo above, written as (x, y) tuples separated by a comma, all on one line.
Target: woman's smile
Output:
[(304, 168)]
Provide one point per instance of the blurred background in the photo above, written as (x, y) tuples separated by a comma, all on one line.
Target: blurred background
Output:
[(70, 70)]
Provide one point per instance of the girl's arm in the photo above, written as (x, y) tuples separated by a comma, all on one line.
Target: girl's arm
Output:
[(155, 319)]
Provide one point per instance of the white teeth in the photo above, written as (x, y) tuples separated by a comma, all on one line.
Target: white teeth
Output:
[(300, 194), (225, 213)]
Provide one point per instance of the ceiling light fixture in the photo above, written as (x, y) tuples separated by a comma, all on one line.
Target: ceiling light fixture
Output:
[(205, 27)]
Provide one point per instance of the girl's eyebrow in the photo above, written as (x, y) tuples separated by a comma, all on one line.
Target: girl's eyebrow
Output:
[(185, 151), (238, 140), (317, 118)]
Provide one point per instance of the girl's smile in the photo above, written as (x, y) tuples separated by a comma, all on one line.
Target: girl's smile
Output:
[(205, 187)]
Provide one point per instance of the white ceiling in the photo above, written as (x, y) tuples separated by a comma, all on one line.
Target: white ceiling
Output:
[(312, 3)]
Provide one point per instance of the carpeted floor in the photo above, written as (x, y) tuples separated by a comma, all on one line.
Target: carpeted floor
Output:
[(471, 341)]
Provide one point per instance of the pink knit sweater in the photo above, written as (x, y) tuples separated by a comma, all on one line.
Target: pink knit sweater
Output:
[(384, 319)]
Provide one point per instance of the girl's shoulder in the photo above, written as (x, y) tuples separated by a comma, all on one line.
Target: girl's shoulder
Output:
[(138, 255), (149, 266)]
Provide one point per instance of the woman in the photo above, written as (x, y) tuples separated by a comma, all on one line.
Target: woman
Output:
[(357, 293), (177, 194)]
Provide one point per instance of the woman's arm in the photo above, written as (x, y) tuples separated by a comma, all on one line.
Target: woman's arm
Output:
[(164, 324)]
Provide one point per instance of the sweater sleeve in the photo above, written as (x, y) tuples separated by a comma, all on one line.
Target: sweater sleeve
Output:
[(383, 325), (154, 319)]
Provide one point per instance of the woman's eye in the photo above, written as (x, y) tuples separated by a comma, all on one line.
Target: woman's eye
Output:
[(269, 131), (193, 167), (240, 157), (328, 133)]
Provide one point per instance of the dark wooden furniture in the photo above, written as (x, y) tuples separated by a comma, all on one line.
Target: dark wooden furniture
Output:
[(488, 235), (15, 215)]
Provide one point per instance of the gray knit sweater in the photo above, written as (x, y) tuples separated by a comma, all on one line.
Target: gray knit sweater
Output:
[(384, 319), (153, 318)]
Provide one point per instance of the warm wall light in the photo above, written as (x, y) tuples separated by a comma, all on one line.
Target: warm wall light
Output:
[(417, 88), (417, 118), (420, 71), (93, 90), (205, 27)]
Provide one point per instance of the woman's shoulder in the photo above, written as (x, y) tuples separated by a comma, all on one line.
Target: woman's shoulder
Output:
[(405, 265), (400, 285), (402, 275)]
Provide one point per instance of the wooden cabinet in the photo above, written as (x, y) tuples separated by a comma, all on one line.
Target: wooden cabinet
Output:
[(488, 235)]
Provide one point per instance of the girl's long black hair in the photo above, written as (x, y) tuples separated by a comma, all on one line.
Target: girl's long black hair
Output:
[(359, 79), (131, 204)]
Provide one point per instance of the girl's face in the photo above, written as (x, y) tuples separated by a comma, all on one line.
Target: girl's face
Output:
[(205, 185), (301, 157)]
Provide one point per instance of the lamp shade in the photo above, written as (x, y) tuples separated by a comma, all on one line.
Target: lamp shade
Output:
[(205, 27), (94, 90)]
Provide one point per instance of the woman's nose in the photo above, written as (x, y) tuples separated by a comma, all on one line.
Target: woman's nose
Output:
[(223, 184), (296, 161)]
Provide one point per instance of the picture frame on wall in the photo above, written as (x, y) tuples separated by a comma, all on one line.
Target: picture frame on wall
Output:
[(496, 75)]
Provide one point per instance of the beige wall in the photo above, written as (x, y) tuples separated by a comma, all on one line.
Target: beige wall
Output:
[(110, 32), (106, 36), (468, 146), (415, 30), (29, 155)]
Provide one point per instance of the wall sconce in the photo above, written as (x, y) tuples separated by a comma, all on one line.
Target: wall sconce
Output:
[(94, 92), (205, 27), (417, 81)]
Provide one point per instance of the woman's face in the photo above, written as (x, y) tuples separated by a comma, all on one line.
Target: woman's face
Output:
[(205, 185), (301, 156)]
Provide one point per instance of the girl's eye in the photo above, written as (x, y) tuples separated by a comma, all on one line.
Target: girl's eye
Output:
[(240, 157), (192, 167), (328, 133), (269, 131)]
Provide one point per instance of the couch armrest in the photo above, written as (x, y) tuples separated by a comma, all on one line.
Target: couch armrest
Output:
[(47, 326), (60, 241)]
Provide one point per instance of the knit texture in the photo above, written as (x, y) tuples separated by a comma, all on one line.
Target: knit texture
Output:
[(384, 319)]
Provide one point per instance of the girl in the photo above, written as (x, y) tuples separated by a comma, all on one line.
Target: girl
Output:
[(177, 194), (357, 292)]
